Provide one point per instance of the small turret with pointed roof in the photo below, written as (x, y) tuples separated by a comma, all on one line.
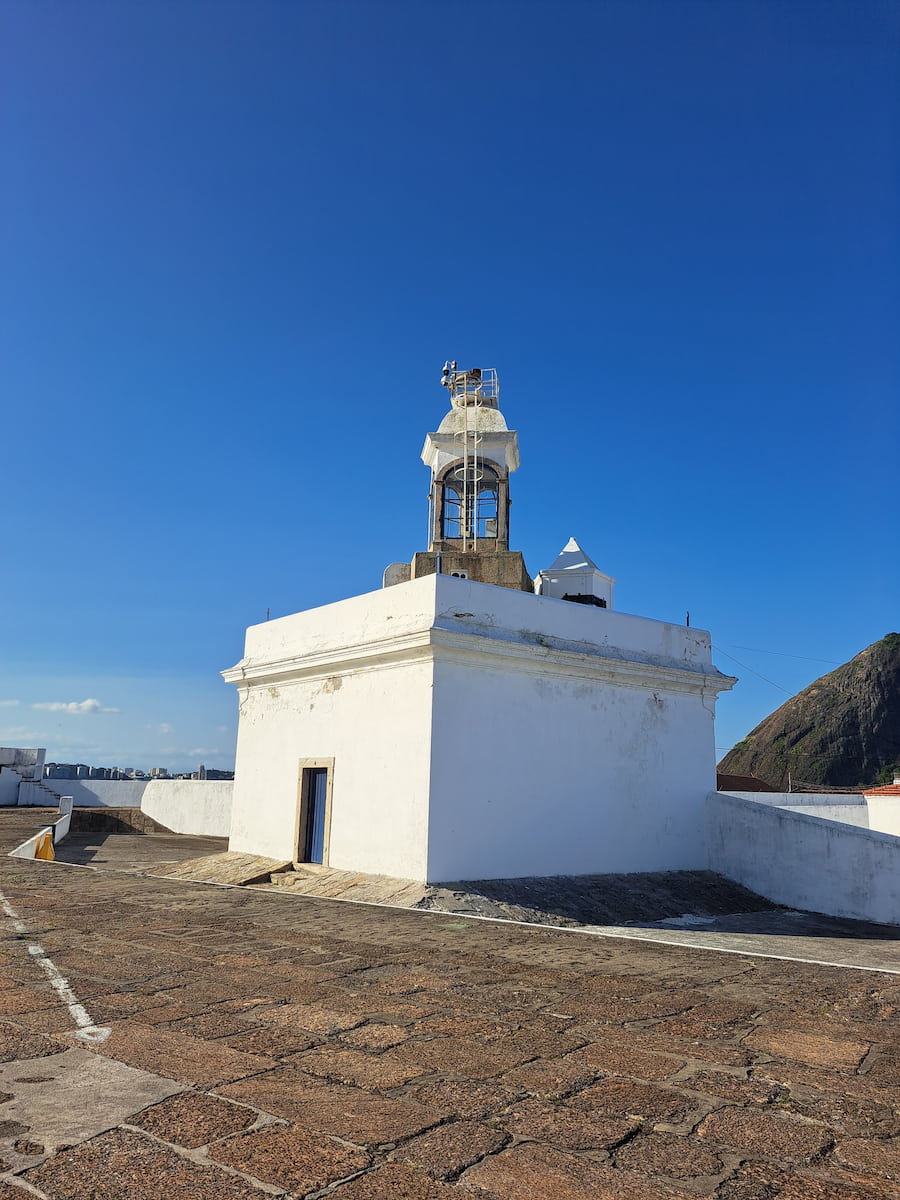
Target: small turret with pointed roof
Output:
[(575, 576)]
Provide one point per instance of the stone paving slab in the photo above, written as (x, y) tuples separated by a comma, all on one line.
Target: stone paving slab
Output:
[(528, 1170), (350, 1113), (292, 1158), (127, 1165), (71, 1096), (396, 1181), (189, 1059), (224, 867), (193, 1119), (401, 1055), (351, 885)]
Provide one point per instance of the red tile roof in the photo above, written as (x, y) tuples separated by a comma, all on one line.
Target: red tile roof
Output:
[(741, 783)]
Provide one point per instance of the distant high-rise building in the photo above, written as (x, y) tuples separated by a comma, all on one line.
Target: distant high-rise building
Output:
[(59, 771)]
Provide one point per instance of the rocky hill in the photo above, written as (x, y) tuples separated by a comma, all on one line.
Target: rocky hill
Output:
[(841, 731)]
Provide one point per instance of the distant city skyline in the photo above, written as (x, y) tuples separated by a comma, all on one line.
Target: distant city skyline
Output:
[(58, 770), (243, 238)]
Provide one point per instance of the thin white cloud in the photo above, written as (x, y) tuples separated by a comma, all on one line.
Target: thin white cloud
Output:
[(21, 733), (165, 727), (73, 706), (8, 703), (199, 750)]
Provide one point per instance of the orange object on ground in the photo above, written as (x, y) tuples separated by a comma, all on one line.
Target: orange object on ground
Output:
[(44, 848)]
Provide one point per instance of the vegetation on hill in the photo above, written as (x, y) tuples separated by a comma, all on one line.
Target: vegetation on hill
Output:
[(841, 731)]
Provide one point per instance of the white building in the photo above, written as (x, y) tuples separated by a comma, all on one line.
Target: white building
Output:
[(449, 728), (575, 576), (17, 765)]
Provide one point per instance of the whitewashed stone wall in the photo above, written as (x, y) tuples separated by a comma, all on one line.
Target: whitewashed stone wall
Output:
[(9, 786), (884, 813), (851, 809), (93, 793), (804, 861), (375, 722), (27, 762), (478, 732), (195, 806)]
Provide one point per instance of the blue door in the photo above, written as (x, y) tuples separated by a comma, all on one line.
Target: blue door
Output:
[(315, 814)]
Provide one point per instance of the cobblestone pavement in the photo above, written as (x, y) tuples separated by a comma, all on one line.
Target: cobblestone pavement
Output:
[(717, 914), (302, 1047)]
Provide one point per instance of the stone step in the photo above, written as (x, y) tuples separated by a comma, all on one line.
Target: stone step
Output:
[(332, 884), (229, 867)]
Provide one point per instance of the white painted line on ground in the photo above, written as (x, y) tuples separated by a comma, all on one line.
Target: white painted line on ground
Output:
[(87, 1030)]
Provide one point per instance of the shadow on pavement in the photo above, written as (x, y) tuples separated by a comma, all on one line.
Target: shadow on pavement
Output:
[(134, 851), (676, 901)]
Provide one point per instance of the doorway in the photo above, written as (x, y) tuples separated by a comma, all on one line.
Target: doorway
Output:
[(314, 810)]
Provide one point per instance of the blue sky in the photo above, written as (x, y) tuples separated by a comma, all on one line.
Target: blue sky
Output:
[(240, 239)]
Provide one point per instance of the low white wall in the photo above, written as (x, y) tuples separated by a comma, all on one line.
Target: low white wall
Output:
[(97, 793), (34, 795), (61, 828), (804, 861), (884, 813), (29, 849), (196, 806), (851, 808), (849, 814), (9, 786), (804, 799)]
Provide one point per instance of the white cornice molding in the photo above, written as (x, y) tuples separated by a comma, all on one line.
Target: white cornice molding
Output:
[(336, 660), (535, 658), (441, 448), (441, 643)]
